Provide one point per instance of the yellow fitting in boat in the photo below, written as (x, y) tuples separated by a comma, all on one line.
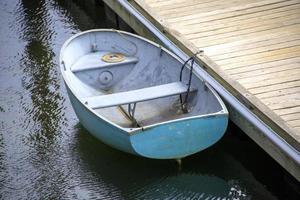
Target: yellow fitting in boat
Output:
[(113, 57)]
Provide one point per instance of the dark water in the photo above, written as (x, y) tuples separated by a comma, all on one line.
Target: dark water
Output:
[(46, 154)]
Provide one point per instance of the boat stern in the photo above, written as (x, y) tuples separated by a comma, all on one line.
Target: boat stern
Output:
[(180, 138)]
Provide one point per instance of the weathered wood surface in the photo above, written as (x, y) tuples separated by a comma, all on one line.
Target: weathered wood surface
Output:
[(254, 44)]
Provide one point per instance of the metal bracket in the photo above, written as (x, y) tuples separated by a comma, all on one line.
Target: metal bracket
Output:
[(131, 112)]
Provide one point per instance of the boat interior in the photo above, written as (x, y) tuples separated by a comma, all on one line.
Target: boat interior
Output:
[(133, 82)]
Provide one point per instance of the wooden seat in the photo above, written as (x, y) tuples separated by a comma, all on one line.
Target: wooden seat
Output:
[(138, 95)]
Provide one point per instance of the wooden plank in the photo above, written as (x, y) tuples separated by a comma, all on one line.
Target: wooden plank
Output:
[(292, 97), (265, 65), (287, 101), (274, 87), (185, 10), (266, 71), (272, 76), (179, 4), (273, 45), (251, 43), (287, 111), (259, 15), (289, 117), (156, 4), (174, 4), (282, 104), (198, 30), (221, 10), (243, 29), (232, 37), (260, 58), (237, 11), (272, 82), (294, 123), (277, 93)]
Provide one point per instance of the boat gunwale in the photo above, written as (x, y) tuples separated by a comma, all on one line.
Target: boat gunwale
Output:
[(131, 131)]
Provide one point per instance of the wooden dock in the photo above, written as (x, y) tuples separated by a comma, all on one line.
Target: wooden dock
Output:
[(252, 47)]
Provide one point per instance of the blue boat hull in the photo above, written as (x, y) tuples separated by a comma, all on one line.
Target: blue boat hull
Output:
[(175, 139), (180, 138)]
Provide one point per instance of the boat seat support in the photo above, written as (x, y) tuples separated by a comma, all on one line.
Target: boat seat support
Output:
[(131, 110), (135, 96)]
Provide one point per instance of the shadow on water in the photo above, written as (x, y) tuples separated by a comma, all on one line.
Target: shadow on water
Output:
[(207, 175)]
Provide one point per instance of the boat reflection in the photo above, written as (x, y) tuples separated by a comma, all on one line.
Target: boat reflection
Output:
[(211, 174)]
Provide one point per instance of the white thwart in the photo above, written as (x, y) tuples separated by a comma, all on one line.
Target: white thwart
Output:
[(138, 95), (93, 61)]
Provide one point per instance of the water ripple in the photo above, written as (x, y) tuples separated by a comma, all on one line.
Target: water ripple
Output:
[(184, 186), (42, 102)]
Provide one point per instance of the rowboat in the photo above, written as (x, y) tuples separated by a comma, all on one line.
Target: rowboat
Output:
[(136, 96)]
